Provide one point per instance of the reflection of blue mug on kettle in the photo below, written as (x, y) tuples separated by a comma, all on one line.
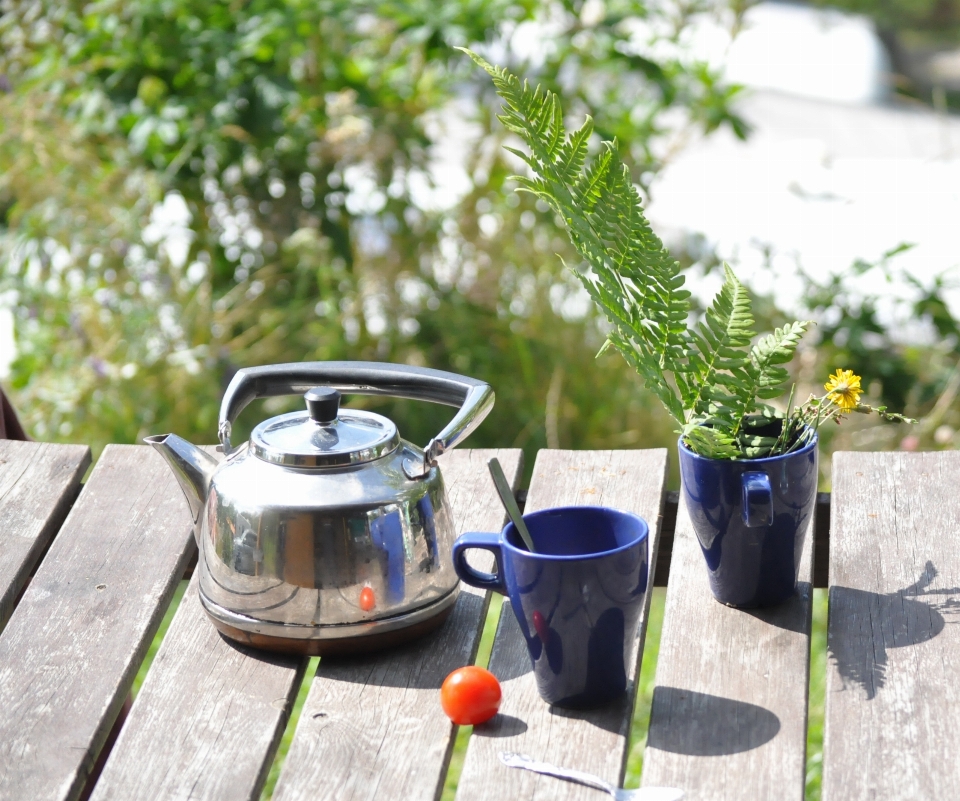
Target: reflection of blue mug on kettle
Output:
[(577, 599)]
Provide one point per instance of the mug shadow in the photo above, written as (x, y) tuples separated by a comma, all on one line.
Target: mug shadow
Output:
[(699, 724), (863, 625), (608, 716)]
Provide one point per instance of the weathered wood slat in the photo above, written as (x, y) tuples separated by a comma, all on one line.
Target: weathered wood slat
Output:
[(595, 740), (38, 484), (72, 647), (372, 727), (893, 674), (729, 711), (207, 720)]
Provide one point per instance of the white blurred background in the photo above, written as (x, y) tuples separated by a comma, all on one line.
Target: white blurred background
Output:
[(835, 169)]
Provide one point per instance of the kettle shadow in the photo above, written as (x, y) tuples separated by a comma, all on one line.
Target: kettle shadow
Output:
[(699, 724), (863, 625), (420, 664), (512, 659), (278, 658)]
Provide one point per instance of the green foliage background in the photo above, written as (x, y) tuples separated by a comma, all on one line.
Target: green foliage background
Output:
[(299, 134)]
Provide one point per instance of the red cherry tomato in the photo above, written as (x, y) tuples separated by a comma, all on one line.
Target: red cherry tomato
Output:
[(470, 695), (367, 599)]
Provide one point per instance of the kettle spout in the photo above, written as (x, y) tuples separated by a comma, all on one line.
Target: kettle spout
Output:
[(192, 466)]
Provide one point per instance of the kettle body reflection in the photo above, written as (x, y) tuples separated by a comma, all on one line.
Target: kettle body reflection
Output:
[(292, 526)]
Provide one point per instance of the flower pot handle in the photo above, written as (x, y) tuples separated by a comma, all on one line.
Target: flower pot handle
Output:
[(757, 506)]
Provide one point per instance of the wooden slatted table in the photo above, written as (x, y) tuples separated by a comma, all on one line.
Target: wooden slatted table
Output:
[(87, 574)]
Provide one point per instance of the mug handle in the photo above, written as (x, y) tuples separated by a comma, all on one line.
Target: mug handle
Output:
[(477, 578), (757, 506)]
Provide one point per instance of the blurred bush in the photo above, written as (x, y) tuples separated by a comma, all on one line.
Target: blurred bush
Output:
[(188, 187), (191, 186)]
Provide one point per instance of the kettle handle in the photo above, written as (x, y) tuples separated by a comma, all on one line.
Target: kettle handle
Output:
[(475, 398)]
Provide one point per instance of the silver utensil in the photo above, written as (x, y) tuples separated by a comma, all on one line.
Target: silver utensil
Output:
[(510, 503), (620, 794)]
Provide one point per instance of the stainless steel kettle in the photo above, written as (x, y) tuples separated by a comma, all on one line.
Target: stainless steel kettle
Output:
[(326, 532)]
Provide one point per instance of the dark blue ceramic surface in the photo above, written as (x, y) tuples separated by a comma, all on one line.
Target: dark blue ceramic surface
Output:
[(577, 600), (751, 517)]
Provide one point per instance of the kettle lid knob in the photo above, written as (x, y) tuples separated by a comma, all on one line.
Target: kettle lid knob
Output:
[(323, 404)]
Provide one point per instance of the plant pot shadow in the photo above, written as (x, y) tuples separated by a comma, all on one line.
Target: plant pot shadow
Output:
[(864, 625), (791, 615)]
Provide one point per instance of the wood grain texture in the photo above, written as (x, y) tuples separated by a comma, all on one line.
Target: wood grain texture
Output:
[(38, 484), (893, 673), (70, 652), (372, 727), (593, 740), (729, 714), (208, 718)]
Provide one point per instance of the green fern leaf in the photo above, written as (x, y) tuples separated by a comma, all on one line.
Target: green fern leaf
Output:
[(765, 376), (632, 278), (705, 375), (710, 443), (722, 359)]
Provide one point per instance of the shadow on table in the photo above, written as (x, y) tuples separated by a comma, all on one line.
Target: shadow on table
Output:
[(500, 725), (421, 664), (792, 615), (863, 625), (608, 716), (699, 724)]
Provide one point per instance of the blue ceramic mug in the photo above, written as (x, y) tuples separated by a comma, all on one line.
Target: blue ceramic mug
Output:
[(751, 516), (577, 599)]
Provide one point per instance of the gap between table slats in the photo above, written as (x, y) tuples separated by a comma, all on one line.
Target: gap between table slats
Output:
[(893, 673), (71, 650), (593, 740), (372, 727), (729, 713), (39, 482)]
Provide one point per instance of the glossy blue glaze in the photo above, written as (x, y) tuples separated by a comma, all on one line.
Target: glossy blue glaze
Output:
[(577, 599), (751, 516)]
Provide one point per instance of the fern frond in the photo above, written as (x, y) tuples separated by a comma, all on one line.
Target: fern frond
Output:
[(633, 280), (711, 443), (718, 362), (708, 377), (765, 375)]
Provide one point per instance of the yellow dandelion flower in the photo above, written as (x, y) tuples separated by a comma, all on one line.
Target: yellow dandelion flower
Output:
[(843, 389)]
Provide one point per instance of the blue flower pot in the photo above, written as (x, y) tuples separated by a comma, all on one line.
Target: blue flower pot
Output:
[(751, 517)]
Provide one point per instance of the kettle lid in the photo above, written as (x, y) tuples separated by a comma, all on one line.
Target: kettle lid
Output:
[(325, 435)]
